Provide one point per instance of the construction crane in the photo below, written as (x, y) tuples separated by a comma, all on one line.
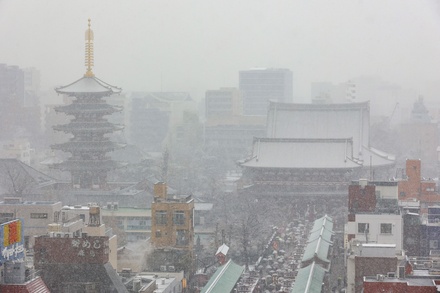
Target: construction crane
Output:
[(387, 121)]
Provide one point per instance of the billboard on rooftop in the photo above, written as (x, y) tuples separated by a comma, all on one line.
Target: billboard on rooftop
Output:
[(11, 241)]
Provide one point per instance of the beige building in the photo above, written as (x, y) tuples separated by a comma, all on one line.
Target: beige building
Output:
[(46, 217), (36, 215), (135, 222), (223, 103), (19, 149)]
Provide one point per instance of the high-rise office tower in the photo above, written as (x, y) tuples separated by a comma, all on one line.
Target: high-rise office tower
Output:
[(260, 85)]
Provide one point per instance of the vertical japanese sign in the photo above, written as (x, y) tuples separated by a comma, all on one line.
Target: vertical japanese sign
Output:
[(11, 241)]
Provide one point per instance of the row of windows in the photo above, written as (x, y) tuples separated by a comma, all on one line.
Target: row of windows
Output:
[(162, 219), (135, 218), (33, 215), (6, 215), (182, 237), (38, 215), (385, 228), (138, 227)]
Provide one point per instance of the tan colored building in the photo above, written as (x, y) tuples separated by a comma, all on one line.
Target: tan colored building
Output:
[(172, 220)]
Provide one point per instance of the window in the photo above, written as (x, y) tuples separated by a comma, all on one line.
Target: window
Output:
[(38, 215), (158, 234), (26, 242), (363, 228), (6, 215), (182, 237), (386, 228), (179, 218), (161, 217)]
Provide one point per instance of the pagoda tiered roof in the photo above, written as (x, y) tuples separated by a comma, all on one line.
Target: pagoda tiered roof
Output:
[(95, 108), (94, 127), (90, 146), (88, 85), (90, 165)]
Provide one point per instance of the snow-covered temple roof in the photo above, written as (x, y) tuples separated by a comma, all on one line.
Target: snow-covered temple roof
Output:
[(290, 120), (312, 154), (317, 136), (302, 153)]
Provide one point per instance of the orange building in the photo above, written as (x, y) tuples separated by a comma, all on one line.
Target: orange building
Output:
[(172, 225), (416, 187)]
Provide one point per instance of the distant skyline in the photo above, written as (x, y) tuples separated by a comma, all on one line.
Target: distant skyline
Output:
[(199, 45)]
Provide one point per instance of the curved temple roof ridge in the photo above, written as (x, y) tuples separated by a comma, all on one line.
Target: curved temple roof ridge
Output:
[(307, 106), (86, 85)]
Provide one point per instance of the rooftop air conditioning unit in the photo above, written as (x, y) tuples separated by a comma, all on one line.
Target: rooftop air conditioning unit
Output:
[(163, 268), (171, 269)]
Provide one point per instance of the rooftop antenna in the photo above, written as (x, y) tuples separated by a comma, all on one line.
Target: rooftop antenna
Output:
[(89, 52)]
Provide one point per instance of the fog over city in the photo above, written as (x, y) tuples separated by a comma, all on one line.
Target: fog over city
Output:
[(232, 146), (197, 45)]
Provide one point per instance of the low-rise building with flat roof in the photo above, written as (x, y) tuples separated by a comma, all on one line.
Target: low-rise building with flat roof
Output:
[(134, 221), (36, 215)]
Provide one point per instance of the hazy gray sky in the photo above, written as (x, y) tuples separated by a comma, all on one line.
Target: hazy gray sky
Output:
[(179, 45)]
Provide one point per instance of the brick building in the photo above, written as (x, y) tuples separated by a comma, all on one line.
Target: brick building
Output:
[(78, 264), (414, 186), (369, 260)]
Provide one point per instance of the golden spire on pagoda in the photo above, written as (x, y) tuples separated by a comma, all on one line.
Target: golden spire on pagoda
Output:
[(89, 52)]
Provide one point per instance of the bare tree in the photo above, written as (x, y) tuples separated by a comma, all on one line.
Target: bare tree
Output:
[(243, 220), (14, 178)]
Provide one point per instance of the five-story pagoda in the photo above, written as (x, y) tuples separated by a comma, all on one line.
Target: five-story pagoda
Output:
[(89, 145)]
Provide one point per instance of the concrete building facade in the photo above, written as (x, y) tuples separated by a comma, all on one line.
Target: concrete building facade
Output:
[(135, 222), (260, 85), (36, 215), (224, 102)]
